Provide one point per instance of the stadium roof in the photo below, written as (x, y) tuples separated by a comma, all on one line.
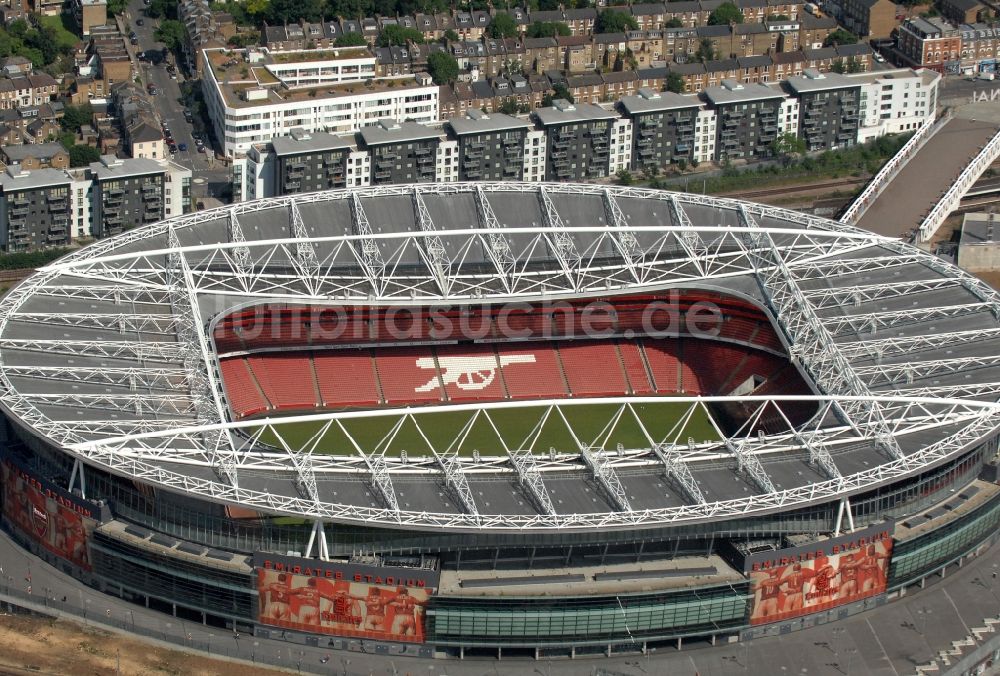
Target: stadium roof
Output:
[(107, 352)]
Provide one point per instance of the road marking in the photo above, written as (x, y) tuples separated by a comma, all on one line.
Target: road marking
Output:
[(881, 647), (960, 618)]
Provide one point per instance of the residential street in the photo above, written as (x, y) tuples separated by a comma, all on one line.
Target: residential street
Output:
[(211, 176)]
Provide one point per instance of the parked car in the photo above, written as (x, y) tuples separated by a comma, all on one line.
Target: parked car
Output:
[(182, 147), (134, 41), (201, 149), (138, 22)]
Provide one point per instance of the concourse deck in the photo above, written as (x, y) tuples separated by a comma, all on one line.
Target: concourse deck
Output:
[(921, 183)]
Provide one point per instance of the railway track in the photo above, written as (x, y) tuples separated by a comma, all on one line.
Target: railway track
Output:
[(792, 189)]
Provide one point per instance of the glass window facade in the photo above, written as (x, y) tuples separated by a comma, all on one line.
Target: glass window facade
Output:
[(565, 621), (915, 558)]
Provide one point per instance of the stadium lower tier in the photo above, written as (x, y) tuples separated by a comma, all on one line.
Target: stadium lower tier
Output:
[(400, 376), (474, 593)]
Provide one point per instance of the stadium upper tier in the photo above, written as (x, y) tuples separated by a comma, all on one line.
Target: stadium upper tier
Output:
[(113, 354)]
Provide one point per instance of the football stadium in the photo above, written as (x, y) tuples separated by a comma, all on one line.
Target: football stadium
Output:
[(500, 418)]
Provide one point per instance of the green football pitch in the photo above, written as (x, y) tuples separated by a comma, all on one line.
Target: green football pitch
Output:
[(590, 425)]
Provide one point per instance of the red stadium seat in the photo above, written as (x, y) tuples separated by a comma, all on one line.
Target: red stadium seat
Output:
[(531, 370), (592, 368), (346, 378), (635, 368), (286, 378), (245, 398), (664, 363)]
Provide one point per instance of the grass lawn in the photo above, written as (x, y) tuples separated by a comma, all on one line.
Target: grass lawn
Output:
[(511, 428), (64, 36)]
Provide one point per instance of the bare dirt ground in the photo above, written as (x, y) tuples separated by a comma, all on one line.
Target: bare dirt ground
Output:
[(44, 646)]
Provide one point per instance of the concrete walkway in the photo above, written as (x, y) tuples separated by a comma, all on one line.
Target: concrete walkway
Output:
[(927, 176), (889, 641)]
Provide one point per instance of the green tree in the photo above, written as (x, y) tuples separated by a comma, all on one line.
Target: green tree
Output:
[(451, 36), (81, 156), (510, 107), (442, 67), (561, 92), (674, 23), (397, 35), (624, 177), (75, 117), (18, 28), (725, 14), (705, 51), (171, 33), (787, 145), (161, 9), (241, 40), (257, 7), (351, 40), (293, 11), (674, 83), (356, 9), (778, 17), (840, 37), (502, 26), (612, 21), (547, 29)]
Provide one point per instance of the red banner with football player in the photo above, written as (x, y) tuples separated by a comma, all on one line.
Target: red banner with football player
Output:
[(804, 580), (344, 600), (48, 514)]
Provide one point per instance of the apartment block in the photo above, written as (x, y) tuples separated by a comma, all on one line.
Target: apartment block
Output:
[(829, 113), (578, 137), (89, 13), (646, 131), (35, 208), (134, 192), (254, 96), (491, 147), (746, 119), (663, 127), (401, 152)]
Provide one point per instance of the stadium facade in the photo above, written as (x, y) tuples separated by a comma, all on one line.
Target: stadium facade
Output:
[(530, 418)]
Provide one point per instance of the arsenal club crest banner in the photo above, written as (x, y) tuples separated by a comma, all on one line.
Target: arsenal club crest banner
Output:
[(340, 599), (798, 581), (48, 514)]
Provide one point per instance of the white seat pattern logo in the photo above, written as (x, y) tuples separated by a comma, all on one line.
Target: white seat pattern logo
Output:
[(468, 373)]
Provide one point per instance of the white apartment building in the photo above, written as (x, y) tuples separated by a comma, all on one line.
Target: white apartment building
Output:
[(896, 101), (253, 96)]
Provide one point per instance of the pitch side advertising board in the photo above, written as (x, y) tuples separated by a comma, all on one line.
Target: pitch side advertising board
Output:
[(375, 602), (52, 516), (798, 581)]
